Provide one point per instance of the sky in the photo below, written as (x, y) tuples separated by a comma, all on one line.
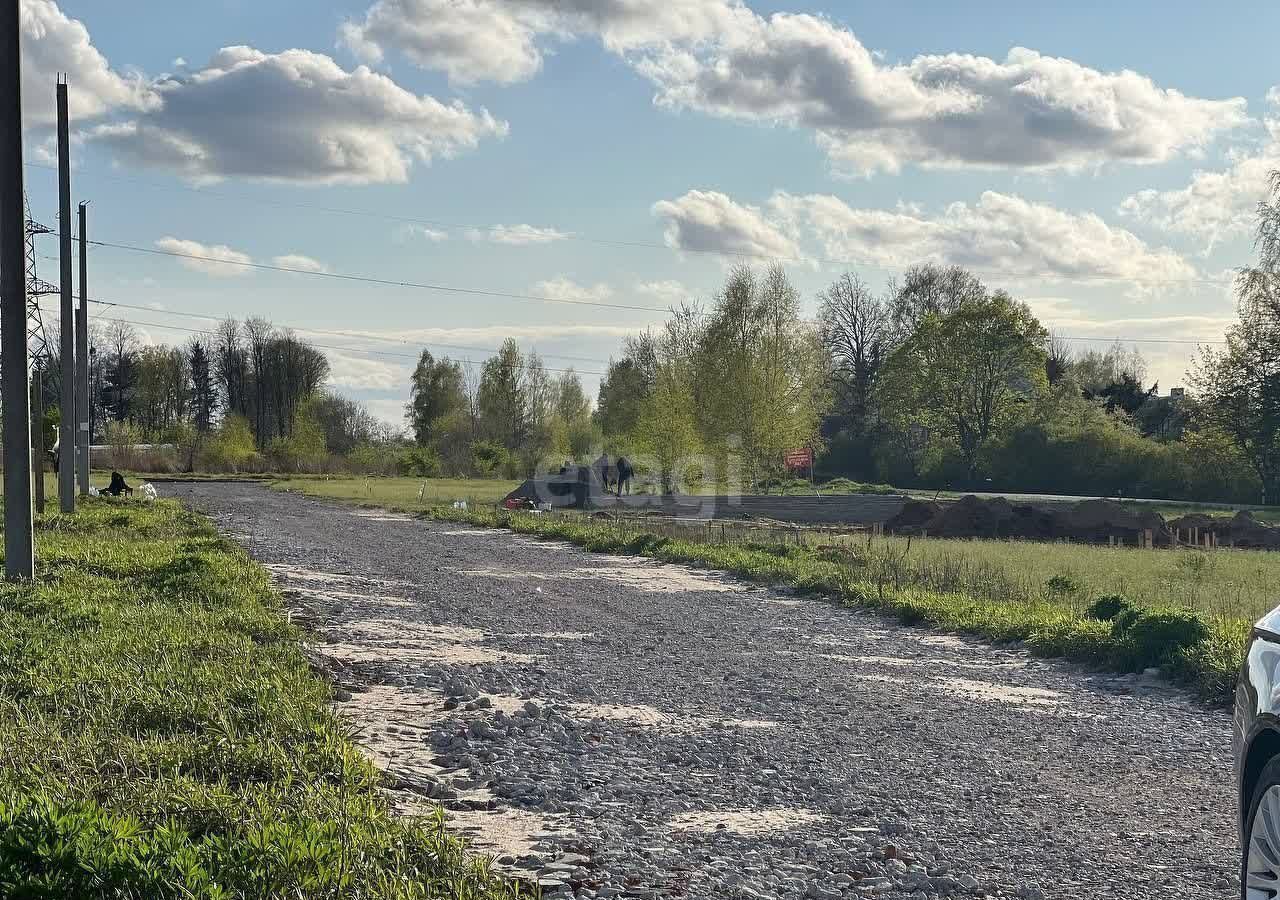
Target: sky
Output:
[(475, 160)]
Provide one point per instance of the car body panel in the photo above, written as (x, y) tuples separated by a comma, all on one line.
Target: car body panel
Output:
[(1256, 716)]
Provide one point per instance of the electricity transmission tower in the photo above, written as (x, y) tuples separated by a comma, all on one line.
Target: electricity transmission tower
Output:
[(37, 337), (37, 349)]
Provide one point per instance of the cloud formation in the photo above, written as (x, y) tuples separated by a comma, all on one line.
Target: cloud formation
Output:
[(300, 263), (413, 231), (957, 110), (503, 41), (222, 261), (295, 116), (562, 288), (1215, 205), (516, 235), (718, 57), (218, 260), (1000, 233), (54, 43), (709, 221)]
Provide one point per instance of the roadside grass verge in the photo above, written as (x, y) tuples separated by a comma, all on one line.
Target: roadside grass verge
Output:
[(1200, 650), (414, 494), (164, 736)]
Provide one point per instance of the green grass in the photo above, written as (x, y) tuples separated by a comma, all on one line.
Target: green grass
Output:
[(923, 585), (401, 493), (163, 735)]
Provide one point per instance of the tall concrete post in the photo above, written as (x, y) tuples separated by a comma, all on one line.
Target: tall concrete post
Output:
[(82, 360), (67, 345), (37, 438), (15, 378)]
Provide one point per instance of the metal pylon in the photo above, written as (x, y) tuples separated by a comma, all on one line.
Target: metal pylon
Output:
[(37, 337)]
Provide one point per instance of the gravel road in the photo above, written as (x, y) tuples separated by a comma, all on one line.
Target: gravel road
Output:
[(616, 727)]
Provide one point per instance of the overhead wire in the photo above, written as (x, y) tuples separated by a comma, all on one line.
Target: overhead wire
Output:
[(615, 242), (337, 349)]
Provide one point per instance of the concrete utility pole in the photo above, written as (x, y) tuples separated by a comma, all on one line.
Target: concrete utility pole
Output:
[(67, 346), (37, 436), (19, 549), (82, 359)]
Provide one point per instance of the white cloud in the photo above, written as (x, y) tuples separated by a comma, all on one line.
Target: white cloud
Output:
[(711, 221), (1000, 233), (503, 40), (420, 232), (299, 262), (213, 259), (470, 40), (562, 288), (294, 116), (669, 292), (516, 235), (53, 43), (1215, 205), (361, 373), (1029, 111)]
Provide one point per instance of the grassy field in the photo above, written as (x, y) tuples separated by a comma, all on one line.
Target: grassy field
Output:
[(163, 735)]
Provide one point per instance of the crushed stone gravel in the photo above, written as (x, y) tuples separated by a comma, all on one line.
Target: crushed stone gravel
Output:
[(614, 727)]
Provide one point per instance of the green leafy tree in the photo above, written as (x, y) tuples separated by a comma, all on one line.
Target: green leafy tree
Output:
[(500, 398), (964, 375), (626, 386), (666, 430), (436, 391), (1237, 387), (761, 376)]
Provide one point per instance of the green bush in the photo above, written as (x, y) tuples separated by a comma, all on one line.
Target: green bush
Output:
[(1108, 608), (1155, 638), (419, 462)]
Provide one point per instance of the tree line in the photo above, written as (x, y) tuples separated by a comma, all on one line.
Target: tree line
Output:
[(247, 396)]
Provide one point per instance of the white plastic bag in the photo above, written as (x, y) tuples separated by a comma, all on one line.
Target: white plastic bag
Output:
[(149, 492), (93, 491), (459, 504)]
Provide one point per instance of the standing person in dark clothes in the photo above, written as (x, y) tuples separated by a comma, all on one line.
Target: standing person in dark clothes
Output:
[(625, 473)]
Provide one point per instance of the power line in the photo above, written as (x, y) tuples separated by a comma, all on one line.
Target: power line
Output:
[(613, 242), (337, 349), (351, 334), (595, 359), (368, 279)]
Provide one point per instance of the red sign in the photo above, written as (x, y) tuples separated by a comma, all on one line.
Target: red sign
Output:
[(799, 459)]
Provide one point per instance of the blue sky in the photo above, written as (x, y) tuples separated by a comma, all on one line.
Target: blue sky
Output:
[(591, 149)]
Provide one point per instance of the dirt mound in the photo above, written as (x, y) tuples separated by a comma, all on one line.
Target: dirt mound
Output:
[(1096, 521), (1099, 520), (1246, 531), (914, 517), (1200, 522), (971, 517), (1032, 523)]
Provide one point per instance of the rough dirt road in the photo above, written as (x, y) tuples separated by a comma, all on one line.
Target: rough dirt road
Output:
[(618, 727)]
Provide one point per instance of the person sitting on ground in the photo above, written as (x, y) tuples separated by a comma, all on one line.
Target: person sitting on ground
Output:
[(118, 486), (625, 473)]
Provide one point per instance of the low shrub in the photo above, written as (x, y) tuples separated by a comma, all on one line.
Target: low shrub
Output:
[(1155, 638), (1108, 608)]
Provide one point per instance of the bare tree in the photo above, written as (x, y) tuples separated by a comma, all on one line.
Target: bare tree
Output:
[(857, 332), (932, 289)]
